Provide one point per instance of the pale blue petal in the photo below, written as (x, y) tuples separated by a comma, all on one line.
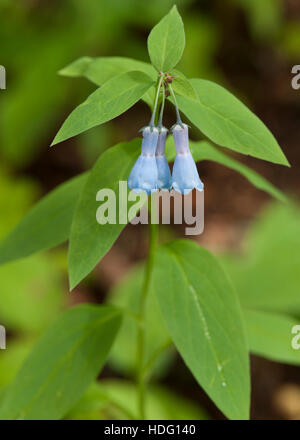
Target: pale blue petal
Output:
[(149, 143), (161, 143), (164, 174), (143, 176), (180, 134), (185, 175)]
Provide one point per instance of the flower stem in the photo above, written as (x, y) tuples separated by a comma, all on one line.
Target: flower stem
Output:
[(152, 120), (153, 235), (178, 121), (161, 114)]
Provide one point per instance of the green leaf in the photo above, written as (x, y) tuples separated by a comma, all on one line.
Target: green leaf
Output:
[(89, 241), (117, 400), (46, 225), (270, 335), (109, 101), (63, 363), (266, 275), (229, 123), (77, 67), (182, 86), (166, 41), (127, 294), (203, 317), (101, 69)]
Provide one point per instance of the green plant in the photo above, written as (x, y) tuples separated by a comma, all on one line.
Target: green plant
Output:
[(186, 284)]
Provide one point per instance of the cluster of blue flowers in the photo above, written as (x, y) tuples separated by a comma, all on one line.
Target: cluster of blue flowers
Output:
[(151, 170)]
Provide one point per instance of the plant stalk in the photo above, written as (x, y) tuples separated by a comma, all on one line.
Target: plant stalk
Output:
[(161, 114), (152, 120), (141, 383), (178, 117)]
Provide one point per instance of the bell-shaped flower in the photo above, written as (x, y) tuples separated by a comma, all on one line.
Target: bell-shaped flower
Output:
[(163, 170), (143, 176), (185, 175)]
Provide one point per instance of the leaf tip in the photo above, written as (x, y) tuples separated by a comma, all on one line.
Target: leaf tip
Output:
[(283, 160), (287, 163), (61, 72), (56, 141), (72, 283), (174, 10)]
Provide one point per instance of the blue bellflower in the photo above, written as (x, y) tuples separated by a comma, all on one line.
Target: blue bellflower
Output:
[(185, 175), (143, 176), (163, 170)]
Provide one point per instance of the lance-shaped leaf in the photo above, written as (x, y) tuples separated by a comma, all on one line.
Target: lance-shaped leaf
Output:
[(166, 41), (76, 68), (229, 123), (109, 101), (204, 150), (68, 357), (101, 69), (46, 225), (204, 319), (89, 240), (270, 335)]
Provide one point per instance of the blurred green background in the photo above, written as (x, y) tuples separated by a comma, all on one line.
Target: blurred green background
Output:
[(249, 46)]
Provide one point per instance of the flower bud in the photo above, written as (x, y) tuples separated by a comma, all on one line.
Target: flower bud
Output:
[(163, 170), (185, 175), (143, 176)]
